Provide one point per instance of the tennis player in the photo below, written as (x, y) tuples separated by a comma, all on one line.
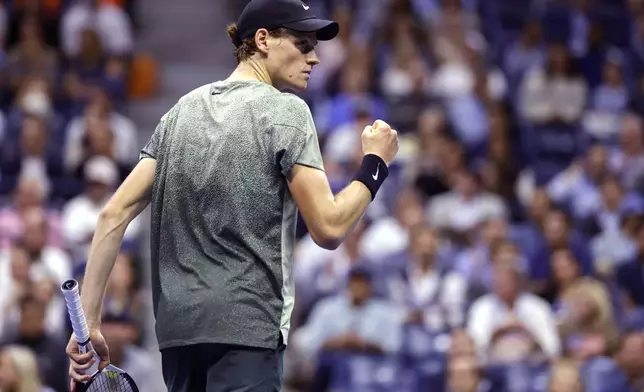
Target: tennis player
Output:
[(225, 172)]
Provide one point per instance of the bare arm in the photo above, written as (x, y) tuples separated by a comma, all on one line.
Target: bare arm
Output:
[(329, 218), (126, 204)]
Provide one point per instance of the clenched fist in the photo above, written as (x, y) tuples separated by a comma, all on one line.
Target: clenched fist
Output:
[(379, 139)]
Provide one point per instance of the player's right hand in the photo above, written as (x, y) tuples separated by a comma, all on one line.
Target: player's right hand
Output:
[(381, 140), (79, 363)]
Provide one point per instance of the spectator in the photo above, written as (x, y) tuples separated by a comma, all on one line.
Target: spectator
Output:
[(19, 371), (321, 273), (565, 377), (110, 21), (557, 233), (607, 216), (352, 322), (49, 350), (121, 334), (30, 193), (461, 345), (90, 72), (15, 282), (433, 296), (586, 322), (33, 154), (390, 235), (45, 260), (555, 92), (578, 186), (34, 97), (354, 92), (80, 214), (509, 306), (610, 249), (21, 279), (608, 102), (100, 107), (630, 275), (466, 206), (526, 52), (499, 169), (100, 132), (631, 360), (627, 161), (342, 143), (437, 157), (32, 57), (475, 262), (47, 14), (464, 376), (603, 374), (123, 294)]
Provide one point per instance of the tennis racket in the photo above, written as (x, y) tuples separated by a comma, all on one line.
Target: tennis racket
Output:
[(110, 379)]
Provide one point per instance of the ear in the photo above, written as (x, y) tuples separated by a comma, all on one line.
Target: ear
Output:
[(261, 40)]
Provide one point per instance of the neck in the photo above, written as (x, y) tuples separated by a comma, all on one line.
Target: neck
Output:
[(509, 302), (357, 302), (425, 266), (251, 70)]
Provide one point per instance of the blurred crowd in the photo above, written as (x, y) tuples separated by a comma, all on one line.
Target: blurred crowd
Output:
[(65, 145), (505, 252)]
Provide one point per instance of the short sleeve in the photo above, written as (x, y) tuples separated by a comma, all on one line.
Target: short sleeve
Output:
[(150, 150), (153, 147), (297, 140)]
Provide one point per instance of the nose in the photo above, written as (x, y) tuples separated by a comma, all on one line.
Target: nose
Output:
[(312, 58)]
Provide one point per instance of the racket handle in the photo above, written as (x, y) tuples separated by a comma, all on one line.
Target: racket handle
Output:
[(79, 324)]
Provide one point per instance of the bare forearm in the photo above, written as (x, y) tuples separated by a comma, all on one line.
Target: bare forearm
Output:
[(348, 207), (126, 204), (103, 252)]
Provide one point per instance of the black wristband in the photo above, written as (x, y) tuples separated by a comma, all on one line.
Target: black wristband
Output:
[(372, 173)]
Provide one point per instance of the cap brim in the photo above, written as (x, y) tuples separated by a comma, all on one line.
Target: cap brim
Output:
[(325, 29)]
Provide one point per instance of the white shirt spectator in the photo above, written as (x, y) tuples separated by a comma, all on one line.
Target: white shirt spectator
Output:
[(335, 316), (125, 143), (452, 211), (110, 22), (343, 143), (488, 313), (542, 98), (422, 287), (80, 214), (53, 263), (384, 237)]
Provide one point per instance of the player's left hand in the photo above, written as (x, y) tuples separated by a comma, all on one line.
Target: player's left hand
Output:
[(79, 363)]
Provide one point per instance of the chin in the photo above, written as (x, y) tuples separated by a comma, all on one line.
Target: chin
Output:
[(296, 86)]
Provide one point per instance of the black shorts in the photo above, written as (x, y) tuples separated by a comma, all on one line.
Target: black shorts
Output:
[(222, 367)]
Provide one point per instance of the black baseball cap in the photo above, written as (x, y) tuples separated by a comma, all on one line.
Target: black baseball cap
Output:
[(290, 14)]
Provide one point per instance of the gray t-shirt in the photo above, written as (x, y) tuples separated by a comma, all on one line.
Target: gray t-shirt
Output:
[(223, 219)]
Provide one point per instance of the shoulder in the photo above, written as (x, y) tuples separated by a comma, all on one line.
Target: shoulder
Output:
[(483, 304), (535, 303), (195, 94), (454, 278), (289, 109)]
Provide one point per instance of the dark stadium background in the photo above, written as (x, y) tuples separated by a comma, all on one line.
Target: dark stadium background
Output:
[(520, 175)]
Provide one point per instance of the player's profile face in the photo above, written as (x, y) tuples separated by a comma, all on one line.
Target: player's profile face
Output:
[(291, 59)]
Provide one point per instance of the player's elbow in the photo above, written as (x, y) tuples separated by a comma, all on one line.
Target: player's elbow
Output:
[(113, 215), (327, 237)]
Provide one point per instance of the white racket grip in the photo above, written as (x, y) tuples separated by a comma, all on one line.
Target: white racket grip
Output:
[(79, 324)]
